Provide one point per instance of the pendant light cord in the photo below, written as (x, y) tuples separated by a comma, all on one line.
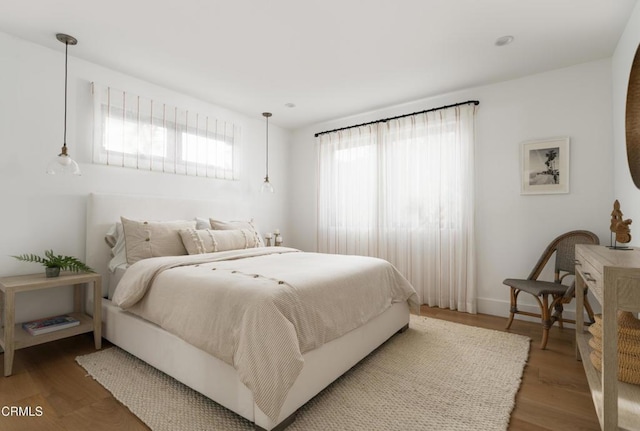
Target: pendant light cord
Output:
[(267, 173), (66, 60)]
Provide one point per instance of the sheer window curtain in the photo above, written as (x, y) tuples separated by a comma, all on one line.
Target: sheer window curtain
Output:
[(403, 190)]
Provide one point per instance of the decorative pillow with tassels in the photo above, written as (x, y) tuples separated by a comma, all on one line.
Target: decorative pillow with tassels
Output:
[(210, 241)]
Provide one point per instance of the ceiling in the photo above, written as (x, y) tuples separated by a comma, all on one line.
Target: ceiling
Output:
[(331, 58)]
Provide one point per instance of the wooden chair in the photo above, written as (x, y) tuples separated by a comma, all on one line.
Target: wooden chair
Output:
[(564, 249)]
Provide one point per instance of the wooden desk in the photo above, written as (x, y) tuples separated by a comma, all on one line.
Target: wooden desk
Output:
[(14, 337), (614, 278)]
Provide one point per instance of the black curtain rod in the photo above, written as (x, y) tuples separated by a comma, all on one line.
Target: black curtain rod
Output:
[(475, 102)]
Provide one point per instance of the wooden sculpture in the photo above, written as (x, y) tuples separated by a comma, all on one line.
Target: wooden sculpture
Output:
[(619, 226)]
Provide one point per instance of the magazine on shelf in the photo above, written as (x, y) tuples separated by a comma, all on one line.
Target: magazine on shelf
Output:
[(50, 324)]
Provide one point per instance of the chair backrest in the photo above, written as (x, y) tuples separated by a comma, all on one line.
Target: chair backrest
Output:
[(565, 248)]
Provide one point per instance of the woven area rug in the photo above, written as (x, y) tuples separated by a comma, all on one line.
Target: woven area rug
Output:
[(437, 375)]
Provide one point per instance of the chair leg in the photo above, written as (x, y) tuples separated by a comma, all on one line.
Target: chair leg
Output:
[(587, 306), (558, 309), (514, 307), (546, 321)]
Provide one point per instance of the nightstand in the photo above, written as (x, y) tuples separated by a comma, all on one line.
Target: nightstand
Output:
[(14, 337)]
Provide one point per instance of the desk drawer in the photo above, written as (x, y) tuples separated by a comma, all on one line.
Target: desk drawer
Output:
[(591, 275)]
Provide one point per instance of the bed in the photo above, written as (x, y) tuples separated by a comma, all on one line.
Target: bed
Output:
[(194, 366)]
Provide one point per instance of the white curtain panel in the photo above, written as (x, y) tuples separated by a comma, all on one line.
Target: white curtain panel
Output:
[(403, 190)]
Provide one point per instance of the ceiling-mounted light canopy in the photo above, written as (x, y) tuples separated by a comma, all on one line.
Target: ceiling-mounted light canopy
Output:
[(504, 40), (63, 163), (266, 185)]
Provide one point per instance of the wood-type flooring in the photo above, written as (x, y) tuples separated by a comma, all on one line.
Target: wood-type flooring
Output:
[(554, 394)]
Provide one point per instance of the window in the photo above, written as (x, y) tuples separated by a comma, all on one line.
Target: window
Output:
[(137, 132)]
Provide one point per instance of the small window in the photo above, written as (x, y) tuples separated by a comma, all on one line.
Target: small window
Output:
[(136, 132)]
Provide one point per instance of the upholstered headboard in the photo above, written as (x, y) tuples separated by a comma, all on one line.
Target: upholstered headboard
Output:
[(103, 210)]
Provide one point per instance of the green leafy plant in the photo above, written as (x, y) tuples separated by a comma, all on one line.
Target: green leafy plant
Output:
[(50, 260)]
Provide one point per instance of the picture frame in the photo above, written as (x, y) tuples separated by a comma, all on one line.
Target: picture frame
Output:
[(545, 166)]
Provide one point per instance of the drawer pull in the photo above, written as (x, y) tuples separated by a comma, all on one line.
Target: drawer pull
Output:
[(588, 276), (577, 262)]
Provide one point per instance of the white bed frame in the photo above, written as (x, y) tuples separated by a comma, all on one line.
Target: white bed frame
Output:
[(194, 367)]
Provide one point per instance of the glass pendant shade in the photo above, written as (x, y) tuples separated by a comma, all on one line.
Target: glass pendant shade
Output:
[(267, 187), (63, 164)]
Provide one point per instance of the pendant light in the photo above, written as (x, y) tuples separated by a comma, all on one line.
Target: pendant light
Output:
[(63, 164), (266, 185)]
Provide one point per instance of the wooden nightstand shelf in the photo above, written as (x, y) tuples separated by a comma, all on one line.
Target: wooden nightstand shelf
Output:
[(13, 337)]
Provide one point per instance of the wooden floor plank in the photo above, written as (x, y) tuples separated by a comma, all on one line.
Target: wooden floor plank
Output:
[(41, 416), (104, 415), (554, 394)]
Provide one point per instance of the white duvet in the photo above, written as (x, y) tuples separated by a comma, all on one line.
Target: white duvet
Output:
[(261, 309)]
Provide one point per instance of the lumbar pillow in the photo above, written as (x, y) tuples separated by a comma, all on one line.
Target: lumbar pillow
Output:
[(209, 241)]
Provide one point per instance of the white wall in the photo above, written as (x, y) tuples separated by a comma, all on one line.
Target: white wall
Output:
[(512, 229), (625, 190), (40, 212)]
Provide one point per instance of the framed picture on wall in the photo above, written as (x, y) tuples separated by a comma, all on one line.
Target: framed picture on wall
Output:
[(545, 166)]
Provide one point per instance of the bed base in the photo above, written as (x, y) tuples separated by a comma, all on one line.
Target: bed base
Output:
[(219, 381), (282, 425)]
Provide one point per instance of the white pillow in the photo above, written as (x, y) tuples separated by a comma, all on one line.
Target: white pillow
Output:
[(145, 239), (209, 241), (111, 237), (202, 223), (233, 225), (115, 238)]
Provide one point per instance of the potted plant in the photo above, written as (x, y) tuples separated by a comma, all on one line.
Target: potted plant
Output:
[(54, 263)]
